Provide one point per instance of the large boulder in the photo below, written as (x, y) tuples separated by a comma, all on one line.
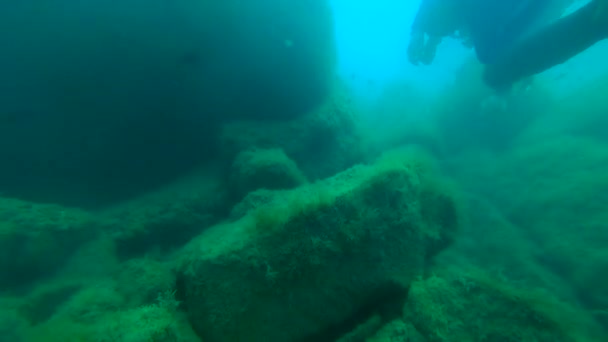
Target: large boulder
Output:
[(315, 262), (100, 101)]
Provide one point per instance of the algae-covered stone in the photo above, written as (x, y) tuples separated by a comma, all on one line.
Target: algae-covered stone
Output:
[(12, 324), (36, 240), (471, 306), (323, 142), (397, 331), (141, 281), (157, 322), (167, 218), (143, 324), (45, 300), (263, 169), (91, 304), (314, 263), (103, 312)]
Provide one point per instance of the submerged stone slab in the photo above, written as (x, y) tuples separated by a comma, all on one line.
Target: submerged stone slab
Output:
[(315, 262)]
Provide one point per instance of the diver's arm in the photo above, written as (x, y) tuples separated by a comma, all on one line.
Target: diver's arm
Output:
[(416, 46), (550, 46), (423, 17)]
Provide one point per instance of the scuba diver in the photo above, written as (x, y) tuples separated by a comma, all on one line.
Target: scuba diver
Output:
[(514, 39)]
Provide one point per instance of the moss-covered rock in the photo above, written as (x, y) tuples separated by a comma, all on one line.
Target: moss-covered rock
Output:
[(322, 142), (103, 312), (147, 323), (142, 281), (13, 325), (397, 331), (263, 169), (168, 218), (157, 322), (89, 305), (470, 306), (317, 261), (36, 240), (44, 301), (376, 329), (253, 200)]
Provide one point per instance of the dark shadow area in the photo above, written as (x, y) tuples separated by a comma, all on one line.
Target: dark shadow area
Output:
[(100, 102), (387, 302)]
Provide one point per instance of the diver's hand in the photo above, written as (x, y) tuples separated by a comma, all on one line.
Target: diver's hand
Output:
[(420, 51), (429, 50), (415, 48)]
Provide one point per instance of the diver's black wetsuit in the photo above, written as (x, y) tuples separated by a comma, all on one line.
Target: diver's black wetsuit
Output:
[(434, 20), (550, 45), (513, 38)]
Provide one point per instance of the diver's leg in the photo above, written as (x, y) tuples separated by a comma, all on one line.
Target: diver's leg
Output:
[(549, 46)]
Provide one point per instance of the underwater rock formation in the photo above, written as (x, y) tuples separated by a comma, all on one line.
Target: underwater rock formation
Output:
[(397, 331), (167, 218), (42, 303), (263, 169), (37, 240), (141, 281), (314, 262), (94, 315), (12, 324), (131, 98), (470, 306), (323, 142)]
